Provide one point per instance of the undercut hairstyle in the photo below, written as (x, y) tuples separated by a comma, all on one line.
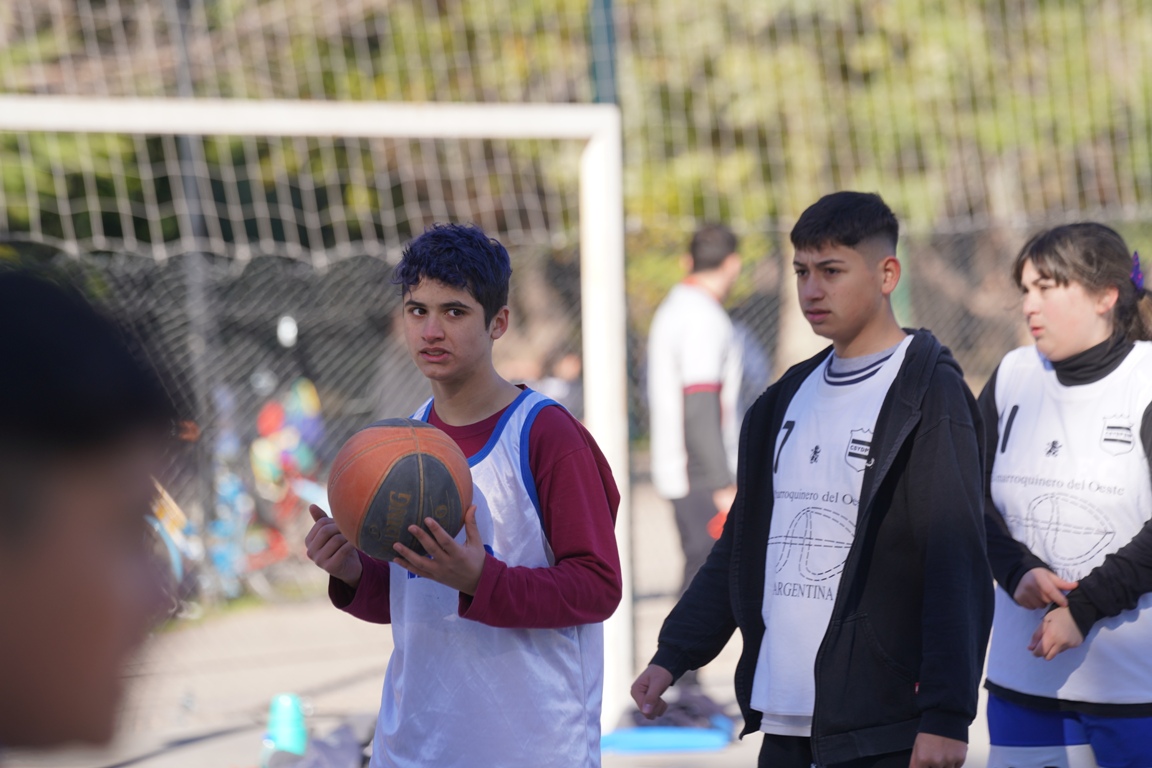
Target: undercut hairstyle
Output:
[(847, 219), (462, 256), (1096, 257), (711, 244), (72, 384)]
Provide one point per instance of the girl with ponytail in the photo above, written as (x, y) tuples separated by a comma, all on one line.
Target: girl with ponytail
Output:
[(1068, 425)]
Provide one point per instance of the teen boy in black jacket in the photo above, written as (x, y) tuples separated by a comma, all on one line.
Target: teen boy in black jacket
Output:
[(892, 665)]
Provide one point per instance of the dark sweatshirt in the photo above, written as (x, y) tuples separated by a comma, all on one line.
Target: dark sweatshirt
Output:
[(904, 650)]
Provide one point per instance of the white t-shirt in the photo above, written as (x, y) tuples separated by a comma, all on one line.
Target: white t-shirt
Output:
[(1071, 479), (690, 344), (818, 468)]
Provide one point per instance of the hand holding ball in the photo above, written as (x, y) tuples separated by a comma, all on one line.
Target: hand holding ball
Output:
[(393, 474)]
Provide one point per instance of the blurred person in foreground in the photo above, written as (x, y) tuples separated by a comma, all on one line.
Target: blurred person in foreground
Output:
[(853, 560), (1069, 438), (82, 425)]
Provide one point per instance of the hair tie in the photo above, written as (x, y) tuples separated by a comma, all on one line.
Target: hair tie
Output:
[(1137, 273)]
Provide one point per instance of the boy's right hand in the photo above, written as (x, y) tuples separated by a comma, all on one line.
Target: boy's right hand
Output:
[(330, 550), (647, 690), (1040, 588)]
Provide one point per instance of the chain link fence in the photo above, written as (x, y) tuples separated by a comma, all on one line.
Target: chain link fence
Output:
[(979, 121)]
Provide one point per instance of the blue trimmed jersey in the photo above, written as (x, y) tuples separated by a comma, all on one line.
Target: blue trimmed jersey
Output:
[(460, 694)]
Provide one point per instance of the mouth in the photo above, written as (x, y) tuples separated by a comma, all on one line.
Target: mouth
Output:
[(1035, 330), (433, 354), (815, 315)]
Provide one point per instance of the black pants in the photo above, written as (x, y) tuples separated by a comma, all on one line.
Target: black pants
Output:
[(796, 752), (692, 515)]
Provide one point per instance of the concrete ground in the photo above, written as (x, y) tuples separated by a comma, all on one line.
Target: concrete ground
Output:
[(199, 695)]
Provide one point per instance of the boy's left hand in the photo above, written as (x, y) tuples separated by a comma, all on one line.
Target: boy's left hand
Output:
[(1057, 633), (932, 751), (450, 563)]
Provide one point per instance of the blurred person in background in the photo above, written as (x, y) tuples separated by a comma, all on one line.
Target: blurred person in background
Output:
[(694, 377), (695, 373), (563, 381), (1068, 435), (82, 426)]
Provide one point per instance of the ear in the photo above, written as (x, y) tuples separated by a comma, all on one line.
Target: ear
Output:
[(686, 263), (889, 272), (1106, 300), (499, 325)]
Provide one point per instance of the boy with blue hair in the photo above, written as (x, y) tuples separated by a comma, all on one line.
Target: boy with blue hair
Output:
[(498, 641)]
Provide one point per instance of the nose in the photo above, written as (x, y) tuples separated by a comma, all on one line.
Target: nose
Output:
[(432, 329), (1030, 304), (809, 288)]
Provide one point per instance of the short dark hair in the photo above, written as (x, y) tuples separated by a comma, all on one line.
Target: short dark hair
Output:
[(711, 244), (72, 382), (462, 256), (845, 218)]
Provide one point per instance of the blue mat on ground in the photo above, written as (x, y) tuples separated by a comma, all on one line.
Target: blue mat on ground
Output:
[(665, 739)]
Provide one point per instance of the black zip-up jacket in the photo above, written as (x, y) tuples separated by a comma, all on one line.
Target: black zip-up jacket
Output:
[(904, 649)]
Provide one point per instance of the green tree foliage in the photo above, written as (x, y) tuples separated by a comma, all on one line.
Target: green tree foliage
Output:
[(976, 119)]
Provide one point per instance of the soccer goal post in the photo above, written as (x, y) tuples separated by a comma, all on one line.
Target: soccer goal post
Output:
[(601, 232)]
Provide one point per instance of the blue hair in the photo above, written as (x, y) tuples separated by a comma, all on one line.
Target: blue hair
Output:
[(462, 256)]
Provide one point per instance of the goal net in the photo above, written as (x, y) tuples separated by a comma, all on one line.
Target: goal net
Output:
[(250, 245)]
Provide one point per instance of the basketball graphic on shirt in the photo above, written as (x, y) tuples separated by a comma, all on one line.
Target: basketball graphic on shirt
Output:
[(817, 541), (1062, 529)]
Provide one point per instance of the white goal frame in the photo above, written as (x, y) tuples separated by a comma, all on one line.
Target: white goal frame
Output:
[(601, 215)]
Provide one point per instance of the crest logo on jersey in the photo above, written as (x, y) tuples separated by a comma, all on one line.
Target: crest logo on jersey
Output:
[(859, 451), (1117, 437)]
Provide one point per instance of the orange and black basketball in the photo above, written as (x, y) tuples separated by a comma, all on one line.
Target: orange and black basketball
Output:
[(393, 474)]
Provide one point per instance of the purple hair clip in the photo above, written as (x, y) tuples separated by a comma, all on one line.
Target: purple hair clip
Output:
[(1137, 273)]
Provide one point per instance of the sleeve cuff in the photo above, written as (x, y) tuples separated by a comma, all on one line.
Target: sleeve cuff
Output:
[(359, 600), (671, 660), (1029, 562), (477, 607), (340, 593), (950, 725)]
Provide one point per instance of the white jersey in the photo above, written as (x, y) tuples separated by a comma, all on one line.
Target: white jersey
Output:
[(1070, 476), (818, 468), (461, 694), (691, 344)]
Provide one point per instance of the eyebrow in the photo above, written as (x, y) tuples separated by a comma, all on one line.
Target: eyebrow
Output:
[(824, 263), (445, 305)]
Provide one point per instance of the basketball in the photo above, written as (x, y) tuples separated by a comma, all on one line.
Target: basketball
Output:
[(393, 474)]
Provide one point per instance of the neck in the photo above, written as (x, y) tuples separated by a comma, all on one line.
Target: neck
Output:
[(711, 282), (464, 402), (878, 336), (1092, 364)]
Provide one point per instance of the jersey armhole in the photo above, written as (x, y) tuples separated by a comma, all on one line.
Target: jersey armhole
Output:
[(525, 463)]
